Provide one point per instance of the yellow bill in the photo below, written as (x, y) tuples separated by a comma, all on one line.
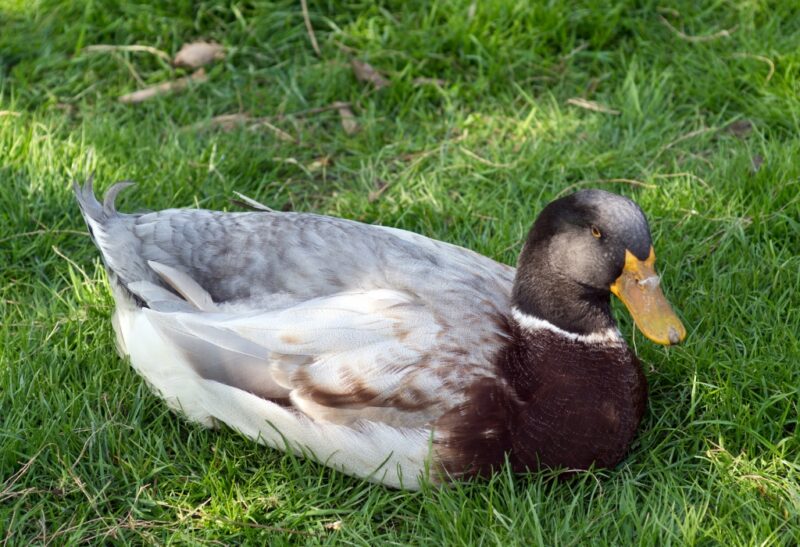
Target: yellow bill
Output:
[(638, 288)]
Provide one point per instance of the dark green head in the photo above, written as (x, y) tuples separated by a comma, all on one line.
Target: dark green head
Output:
[(582, 248)]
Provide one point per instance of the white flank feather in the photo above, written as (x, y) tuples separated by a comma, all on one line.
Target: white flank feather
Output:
[(392, 455)]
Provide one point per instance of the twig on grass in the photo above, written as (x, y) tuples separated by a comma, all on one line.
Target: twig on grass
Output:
[(484, 161), (227, 122), (725, 33), (591, 105), (761, 58), (698, 157), (280, 133), (72, 263), (380, 187), (43, 231), (105, 48), (428, 81), (148, 93), (312, 111), (309, 28), (12, 480)]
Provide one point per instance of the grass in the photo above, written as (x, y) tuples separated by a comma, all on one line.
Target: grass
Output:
[(87, 454)]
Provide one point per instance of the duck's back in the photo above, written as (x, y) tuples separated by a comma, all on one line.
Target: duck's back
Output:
[(245, 256)]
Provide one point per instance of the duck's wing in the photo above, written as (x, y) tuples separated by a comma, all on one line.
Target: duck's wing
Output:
[(335, 379), (377, 355)]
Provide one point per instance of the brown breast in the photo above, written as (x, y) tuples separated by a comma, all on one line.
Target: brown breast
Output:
[(555, 403)]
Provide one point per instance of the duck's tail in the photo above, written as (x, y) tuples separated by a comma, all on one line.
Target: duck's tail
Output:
[(96, 214), (108, 228)]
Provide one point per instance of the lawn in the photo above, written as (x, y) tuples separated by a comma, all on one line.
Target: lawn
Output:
[(491, 110)]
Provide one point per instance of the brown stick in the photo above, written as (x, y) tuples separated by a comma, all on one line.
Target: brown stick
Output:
[(309, 28), (103, 48), (591, 105), (761, 58), (725, 33), (161, 89)]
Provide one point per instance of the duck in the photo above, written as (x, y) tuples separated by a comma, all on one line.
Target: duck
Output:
[(385, 354)]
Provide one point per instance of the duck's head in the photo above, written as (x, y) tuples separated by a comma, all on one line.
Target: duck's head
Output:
[(582, 248)]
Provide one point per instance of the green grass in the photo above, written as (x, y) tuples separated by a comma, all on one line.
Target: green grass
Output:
[(87, 454)]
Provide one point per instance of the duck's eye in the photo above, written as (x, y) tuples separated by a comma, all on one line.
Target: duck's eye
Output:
[(596, 232)]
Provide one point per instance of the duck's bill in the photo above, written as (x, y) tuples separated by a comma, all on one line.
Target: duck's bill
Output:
[(638, 288)]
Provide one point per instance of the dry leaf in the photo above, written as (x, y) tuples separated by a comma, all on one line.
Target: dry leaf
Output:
[(591, 105), (380, 187), (9, 113), (160, 89), (365, 72), (198, 54), (334, 525), (349, 123), (319, 163), (740, 128), (429, 81)]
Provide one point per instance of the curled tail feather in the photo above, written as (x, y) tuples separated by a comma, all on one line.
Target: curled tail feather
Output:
[(98, 217), (93, 211)]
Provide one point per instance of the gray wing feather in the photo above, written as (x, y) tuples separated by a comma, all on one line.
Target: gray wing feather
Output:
[(184, 285), (221, 355), (159, 298)]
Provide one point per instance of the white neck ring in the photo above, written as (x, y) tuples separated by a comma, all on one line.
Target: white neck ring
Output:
[(532, 323)]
